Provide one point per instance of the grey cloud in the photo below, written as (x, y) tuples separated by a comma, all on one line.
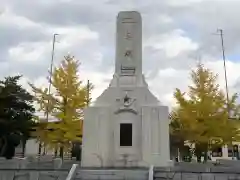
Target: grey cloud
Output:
[(62, 13), (199, 20), (100, 15), (155, 60), (97, 16), (12, 36), (206, 17), (29, 69)]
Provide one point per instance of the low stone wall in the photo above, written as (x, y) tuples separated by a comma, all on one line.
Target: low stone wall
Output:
[(195, 176), (33, 174), (52, 169), (223, 170), (46, 169), (30, 163), (34, 163), (33, 168)]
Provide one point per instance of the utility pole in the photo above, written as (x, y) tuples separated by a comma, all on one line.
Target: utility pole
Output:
[(51, 71), (88, 93), (224, 65), (220, 32), (49, 89)]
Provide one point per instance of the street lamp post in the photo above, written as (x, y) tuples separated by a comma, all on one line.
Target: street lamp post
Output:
[(220, 31), (224, 66), (49, 88), (51, 71)]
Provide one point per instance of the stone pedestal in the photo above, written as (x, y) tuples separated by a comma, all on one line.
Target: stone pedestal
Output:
[(127, 125)]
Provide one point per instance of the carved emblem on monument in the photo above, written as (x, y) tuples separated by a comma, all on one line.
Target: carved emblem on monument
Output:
[(128, 36), (126, 104), (127, 101), (128, 53)]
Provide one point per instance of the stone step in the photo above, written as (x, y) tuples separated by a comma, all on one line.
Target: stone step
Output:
[(111, 174)]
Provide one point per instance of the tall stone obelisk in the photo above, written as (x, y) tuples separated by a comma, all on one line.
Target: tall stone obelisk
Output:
[(127, 125), (129, 44)]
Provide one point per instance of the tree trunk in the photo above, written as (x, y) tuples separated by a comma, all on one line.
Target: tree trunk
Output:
[(199, 159), (61, 151), (205, 156), (24, 141), (4, 146), (39, 150), (1, 145), (55, 151)]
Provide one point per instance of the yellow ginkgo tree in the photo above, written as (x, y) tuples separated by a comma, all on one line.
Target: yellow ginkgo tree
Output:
[(65, 104), (203, 114)]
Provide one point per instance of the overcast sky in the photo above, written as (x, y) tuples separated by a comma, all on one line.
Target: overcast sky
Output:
[(176, 35)]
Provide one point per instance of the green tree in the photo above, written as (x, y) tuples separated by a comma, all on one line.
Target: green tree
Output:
[(203, 113), (16, 114), (178, 148), (65, 104)]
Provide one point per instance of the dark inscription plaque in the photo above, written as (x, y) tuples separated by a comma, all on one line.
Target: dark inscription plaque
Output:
[(127, 71)]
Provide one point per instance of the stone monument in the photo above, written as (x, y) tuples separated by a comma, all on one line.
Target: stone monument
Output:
[(127, 125)]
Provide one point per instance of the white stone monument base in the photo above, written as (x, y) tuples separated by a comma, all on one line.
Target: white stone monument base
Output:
[(101, 145)]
